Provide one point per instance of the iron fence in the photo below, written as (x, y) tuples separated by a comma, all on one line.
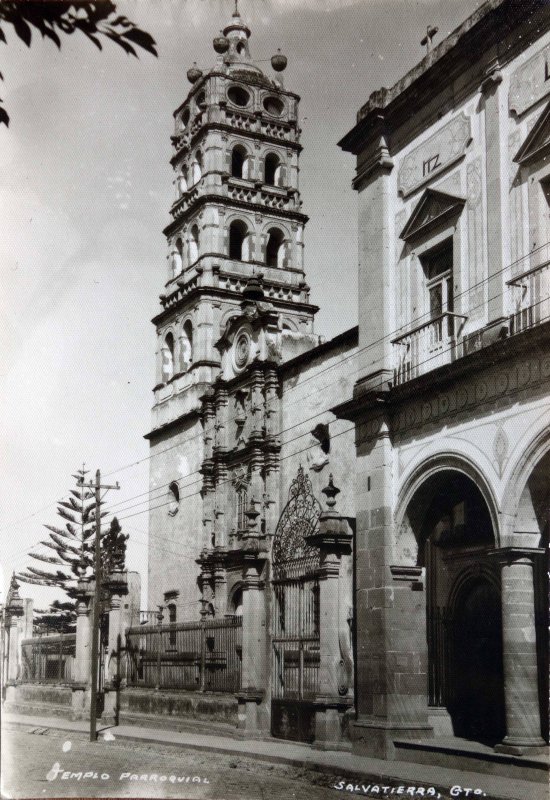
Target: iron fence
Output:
[(48, 659), (202, 656)]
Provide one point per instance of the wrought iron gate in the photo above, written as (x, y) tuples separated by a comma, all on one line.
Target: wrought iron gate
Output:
[(295, 616)]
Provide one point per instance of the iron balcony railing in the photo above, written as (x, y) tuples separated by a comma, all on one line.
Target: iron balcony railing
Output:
[(530, 290), (427, 346), (442, 339)]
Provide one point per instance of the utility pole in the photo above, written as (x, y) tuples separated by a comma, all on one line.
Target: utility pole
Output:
[(98, 486)]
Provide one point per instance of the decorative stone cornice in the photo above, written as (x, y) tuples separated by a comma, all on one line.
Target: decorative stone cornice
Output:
[(511, 555)]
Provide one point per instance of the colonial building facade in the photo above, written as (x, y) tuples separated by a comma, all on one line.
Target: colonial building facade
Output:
[(374, 508), (451, 402)]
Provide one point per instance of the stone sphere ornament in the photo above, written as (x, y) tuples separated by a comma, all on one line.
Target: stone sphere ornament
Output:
[(221, 43), (279, 61), (194, 73)]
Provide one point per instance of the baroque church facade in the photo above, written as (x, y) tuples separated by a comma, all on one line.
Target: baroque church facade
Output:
[(374, 507)]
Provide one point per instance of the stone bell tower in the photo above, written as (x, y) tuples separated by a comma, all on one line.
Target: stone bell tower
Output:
[(236, 214), (236, 218)]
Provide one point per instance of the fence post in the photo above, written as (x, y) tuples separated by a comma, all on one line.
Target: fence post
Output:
[(60, 662), (203, 654), (333, 539), (160, 617)]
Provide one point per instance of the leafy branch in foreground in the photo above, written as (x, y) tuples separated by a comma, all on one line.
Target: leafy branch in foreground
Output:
[(55, 18)]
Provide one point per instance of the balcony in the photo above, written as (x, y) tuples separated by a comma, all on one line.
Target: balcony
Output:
[(441, 340), (428, 346), (530, 291)]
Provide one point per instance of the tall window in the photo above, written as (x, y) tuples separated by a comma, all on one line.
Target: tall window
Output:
[(241, 508), (172, 617), (274, 250), (186, 346), (272, 170), (237, 237), (168, 357), (239, 162), (438, 268), (196, 167), (194, 244), (174, 499)]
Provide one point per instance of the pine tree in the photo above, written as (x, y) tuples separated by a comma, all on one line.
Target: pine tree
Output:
[(59, 617), (73, 545)]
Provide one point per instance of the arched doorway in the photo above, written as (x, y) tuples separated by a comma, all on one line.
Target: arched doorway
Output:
[(450, 520), (476, 683)]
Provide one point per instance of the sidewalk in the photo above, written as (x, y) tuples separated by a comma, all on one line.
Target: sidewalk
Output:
[(358, 769)]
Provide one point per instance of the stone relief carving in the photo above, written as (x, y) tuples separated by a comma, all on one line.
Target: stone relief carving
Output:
[(500, 449), (530, 82), (476, 308), (434, 155)]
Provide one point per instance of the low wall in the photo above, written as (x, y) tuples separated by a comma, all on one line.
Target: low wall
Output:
[(165, 707), (39, 699)]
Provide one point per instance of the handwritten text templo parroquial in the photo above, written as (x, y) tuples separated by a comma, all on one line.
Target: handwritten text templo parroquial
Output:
[(58, 773)]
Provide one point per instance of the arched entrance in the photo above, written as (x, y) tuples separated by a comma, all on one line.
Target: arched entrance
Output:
[(450, 519), (476, 685), (295, 622)]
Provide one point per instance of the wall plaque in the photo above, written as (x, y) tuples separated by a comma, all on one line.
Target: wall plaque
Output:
[(434, 155), (530, 82)]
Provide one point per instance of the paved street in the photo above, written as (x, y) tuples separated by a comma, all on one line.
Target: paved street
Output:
[(58, 764)]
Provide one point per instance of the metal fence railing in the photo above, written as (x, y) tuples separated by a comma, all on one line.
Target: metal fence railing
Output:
[(48, 659), (201, 656)]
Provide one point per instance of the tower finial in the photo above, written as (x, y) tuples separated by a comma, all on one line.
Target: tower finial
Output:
[(236, 11)]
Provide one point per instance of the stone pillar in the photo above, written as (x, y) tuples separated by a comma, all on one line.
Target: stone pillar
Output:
[(494, 99), (253, 718), (83, 649), (391, 684), (334, 539), (523, 727), (13, 649)]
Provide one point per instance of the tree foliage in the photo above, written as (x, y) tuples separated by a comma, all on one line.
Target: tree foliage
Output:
[(96, 19), (59, 617), (70, 549)]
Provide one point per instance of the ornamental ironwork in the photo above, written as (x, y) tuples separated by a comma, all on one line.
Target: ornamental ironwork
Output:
[(300, 518)]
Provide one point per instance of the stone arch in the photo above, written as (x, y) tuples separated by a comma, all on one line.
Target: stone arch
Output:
[(515, 498), (186, 345), (168, 355), (196, 168), (239, 240), (240, 161), (407, 546), (275, 247), (273, 169), (194, 243)]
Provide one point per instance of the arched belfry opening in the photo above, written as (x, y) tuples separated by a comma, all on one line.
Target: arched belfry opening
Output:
[(274, 249), (238, 233), (451, 530), (239, 162)]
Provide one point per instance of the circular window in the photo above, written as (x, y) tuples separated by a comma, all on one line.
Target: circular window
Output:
[(184, 119), (274, 106), (238, 95), (242, 349)]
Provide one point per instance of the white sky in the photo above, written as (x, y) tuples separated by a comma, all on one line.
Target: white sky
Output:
[(85, 189)]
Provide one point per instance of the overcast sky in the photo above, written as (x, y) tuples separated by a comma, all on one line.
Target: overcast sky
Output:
[(85, 188)]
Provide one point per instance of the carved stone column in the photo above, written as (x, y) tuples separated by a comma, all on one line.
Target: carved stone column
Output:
[(523, 728), (14, 610), (253, 716), (334, 540), (83, 649)]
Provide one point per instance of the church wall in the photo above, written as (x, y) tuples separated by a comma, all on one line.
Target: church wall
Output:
[(309, 391), (176, 536)]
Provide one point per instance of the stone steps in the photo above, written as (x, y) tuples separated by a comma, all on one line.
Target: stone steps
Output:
[(473, 757)]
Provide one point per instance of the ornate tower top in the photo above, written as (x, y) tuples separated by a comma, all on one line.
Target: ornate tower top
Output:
[(237, 212)]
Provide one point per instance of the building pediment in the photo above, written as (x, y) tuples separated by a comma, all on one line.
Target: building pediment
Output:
[(433, 208), (537, 141)]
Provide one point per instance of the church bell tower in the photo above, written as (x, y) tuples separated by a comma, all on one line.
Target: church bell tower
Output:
[(237, 215)]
